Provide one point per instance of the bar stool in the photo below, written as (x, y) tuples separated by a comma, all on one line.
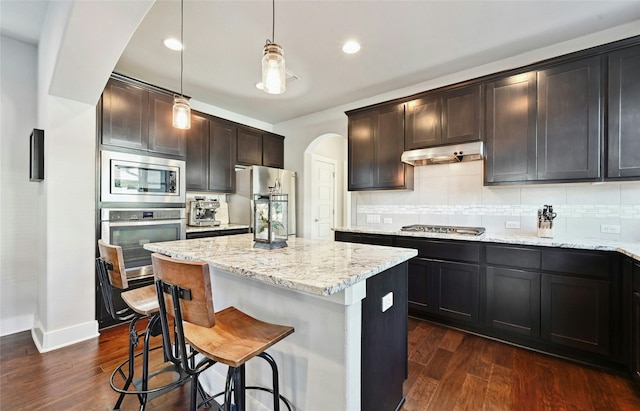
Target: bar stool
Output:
[(141, 303), (229, 336)]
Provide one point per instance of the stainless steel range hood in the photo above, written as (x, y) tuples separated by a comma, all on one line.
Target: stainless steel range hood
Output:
[(444, 154)]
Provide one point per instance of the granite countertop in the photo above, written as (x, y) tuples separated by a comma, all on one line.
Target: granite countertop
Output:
[(311, 266), (631, 249), (221, 227)]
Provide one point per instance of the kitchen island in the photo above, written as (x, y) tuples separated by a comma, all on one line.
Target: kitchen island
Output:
[(349, 349)]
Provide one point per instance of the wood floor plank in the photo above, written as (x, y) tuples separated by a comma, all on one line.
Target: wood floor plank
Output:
[(472, 393), (498, 395)]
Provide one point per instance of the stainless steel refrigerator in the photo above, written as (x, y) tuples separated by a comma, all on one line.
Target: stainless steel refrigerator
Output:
[(259, 180)]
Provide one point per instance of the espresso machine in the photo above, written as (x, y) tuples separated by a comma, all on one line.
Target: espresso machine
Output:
[(203, 212)]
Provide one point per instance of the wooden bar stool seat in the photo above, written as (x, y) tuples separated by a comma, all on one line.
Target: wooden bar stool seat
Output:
[(142, 303), (229, 336)]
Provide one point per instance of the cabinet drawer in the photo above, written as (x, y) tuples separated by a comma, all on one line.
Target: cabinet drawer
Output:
[(575, 262), (513, 256), (442, 250)]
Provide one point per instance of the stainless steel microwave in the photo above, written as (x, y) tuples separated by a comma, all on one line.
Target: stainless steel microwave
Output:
[(136, 178)]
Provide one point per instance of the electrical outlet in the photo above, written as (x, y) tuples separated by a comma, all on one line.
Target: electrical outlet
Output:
[(387, 301), (610, 228), (387, 220), (373, 218), (512, 224)]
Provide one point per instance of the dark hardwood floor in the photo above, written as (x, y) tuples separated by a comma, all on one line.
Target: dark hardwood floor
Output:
[(448, 370)]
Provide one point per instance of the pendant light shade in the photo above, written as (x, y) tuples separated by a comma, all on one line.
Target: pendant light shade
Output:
[(273, 72), (181, 109), (181, 113)]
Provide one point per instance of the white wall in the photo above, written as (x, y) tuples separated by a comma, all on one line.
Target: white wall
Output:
[(302, 131), (18, 197)]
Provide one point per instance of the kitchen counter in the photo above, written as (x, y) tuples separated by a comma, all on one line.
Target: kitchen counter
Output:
[(630, 249), (312, 266), (221, 227), (321, 288)]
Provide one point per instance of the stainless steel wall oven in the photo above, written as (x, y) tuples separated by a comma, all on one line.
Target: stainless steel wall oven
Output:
[(130, 229)]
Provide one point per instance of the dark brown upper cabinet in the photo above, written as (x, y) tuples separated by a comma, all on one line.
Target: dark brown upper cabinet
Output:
[(423, 122), (163, 137), (136, 118), (452, 116), (256, 147), (511, 129), (461, 115), (197, 163), (376, 142), (569, 121), (624, 114), (273, 150), (125, 115), (249, 147), (210, 164)]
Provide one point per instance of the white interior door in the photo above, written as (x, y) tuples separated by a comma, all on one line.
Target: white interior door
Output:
[(323, 197)]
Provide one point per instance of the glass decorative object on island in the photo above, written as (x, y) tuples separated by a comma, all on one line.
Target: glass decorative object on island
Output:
[(270, 217)]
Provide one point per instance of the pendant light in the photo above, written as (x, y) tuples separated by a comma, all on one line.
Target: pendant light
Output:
[(273, 72), (181, 109)]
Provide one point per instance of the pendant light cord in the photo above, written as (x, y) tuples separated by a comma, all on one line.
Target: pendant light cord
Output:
[(181, 43), (273, 21)]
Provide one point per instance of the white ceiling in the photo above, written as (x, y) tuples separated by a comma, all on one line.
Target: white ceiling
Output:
[(403, 43)]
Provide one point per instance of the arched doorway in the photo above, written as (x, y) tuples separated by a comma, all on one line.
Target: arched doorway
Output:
[(326, 197)]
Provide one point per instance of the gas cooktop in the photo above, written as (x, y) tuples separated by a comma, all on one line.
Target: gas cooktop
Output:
[(444, 229)]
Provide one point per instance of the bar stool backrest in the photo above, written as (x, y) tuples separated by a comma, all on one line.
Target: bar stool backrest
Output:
[(193, 284), (112, 254)]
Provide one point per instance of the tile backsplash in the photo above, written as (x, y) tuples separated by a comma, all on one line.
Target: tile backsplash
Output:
[(453, 194)]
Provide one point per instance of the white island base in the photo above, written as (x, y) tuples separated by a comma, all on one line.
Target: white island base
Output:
[(319, 364)]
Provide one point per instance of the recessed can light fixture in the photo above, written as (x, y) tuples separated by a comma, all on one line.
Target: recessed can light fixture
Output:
[(173, 44), (351, 47)]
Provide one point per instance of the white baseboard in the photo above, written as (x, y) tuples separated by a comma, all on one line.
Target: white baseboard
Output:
[(46, 341)]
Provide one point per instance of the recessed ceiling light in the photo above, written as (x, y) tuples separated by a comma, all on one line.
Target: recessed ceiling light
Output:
[(351, 47), (173, 44)]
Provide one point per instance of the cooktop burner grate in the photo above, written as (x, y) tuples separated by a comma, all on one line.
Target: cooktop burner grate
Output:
[(444, 229)]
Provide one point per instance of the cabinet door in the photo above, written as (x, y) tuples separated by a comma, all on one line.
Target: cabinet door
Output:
[(197, 163), (273, 150), (423, 121), (624, 113), (389, 140), (455, 291), (249, 147), (461, 115), (222, 142), (125, 115), (361, 151), (511, 129), (163, 137), (569, 118), (513, 301), (575, 312), (419, 285)]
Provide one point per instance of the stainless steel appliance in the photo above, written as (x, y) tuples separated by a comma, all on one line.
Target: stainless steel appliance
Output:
[(132, 228), (202, 212), (261, 180), (444, 229), (134, 178)]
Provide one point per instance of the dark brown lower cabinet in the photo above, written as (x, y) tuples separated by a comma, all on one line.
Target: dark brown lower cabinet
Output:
[(575, 312), (513, 301), (448, 289)]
